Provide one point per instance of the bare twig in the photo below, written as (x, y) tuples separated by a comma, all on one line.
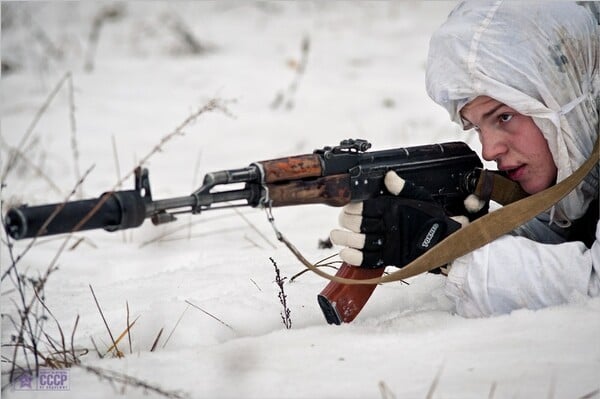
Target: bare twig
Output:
[(189, 41), (253, 227), (287, 98), (435, 382), (156, 340), (128, 330), (319, 264), (43, 228), (256, 285), (116, 377), (50, 49), (116, 157), (11, 162), (15, 152), (118, 352), (212, 105), (74, 145), (386, 392), (590, 395), (100, 355), (73, 339), (107, 14), (208, 314), (62, 335), (300, 273), (204, 234), (175, 326), (194, 182), (118, 170), (252, 242), (120, 337), (74, 246)]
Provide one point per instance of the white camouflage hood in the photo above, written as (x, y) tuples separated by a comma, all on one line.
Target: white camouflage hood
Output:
[(542, 59)]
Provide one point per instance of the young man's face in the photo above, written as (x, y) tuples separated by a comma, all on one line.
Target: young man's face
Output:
[(512, 140)]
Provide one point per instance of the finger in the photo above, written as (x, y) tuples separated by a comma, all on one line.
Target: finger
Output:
[(350, 222), (473, 204), (351, 256), (405, 188), (463, 220), (353, 208), (393, 182), (347, 239)]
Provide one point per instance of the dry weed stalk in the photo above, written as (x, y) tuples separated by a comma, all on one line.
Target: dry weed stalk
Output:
[(30, 336), (128, 329), (107, 14), (175, 326), (161, 237), (189, 42), (208, 314), (321, 263), (118, 353), (435, 382), (591, 394), (18, 154), (285, 313), (12, 160), (27, 339), (126, 380), (253, 227), (256, 285), (386, 392), (212, 105), (286, 98), (41, 229), (73, 125), (50, 49), (30, 329)]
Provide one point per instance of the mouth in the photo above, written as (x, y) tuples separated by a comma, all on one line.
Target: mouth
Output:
[(515, 173)]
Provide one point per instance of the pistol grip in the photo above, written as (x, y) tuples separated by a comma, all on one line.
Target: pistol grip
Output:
[(343, 302)]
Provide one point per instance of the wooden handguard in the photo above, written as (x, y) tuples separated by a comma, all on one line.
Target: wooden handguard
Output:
[(341, 303), (331, 190), (291, 168)]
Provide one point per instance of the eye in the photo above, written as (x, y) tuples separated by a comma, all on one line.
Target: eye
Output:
[(505, 117)]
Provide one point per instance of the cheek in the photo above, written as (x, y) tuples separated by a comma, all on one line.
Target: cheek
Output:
[(546, 163)]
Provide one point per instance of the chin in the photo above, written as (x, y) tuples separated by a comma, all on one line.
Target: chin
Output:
[(533, 188)]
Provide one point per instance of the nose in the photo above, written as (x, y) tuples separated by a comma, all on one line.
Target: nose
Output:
[(493, 146)]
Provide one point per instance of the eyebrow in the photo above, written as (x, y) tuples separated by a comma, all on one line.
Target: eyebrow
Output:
[(470, 125), (492, 111)]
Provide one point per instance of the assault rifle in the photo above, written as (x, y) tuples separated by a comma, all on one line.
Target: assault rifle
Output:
[(333, 175)]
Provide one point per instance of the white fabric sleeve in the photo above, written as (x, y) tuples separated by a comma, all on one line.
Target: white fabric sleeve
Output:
[(515, 272)]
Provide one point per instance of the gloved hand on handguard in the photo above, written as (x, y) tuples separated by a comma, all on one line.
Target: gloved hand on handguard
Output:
[(393, 229)]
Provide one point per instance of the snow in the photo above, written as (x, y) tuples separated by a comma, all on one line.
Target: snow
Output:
[(364, 78)]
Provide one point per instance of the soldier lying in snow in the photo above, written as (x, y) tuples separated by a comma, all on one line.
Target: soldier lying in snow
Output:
[(526, 78)]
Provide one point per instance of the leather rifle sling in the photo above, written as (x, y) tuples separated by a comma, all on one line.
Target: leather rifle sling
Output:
[(483, 230)]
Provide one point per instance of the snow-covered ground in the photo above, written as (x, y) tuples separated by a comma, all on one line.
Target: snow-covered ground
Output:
[(364, 77)]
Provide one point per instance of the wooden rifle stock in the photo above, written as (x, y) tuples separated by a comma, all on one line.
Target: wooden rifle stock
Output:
[(341, 303)]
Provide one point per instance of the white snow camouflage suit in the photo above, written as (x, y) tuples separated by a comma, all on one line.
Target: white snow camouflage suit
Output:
[(543, 60)]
